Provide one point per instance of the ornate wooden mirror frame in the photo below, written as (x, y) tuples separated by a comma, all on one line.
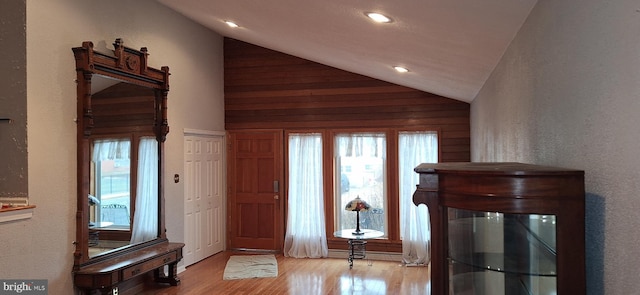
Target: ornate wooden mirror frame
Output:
[(108, 270)]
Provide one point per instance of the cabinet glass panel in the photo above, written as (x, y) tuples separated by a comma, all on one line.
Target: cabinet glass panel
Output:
[(495, 253)]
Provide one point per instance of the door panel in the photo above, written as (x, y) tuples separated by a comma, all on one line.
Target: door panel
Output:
[(216, 219), (212, 157), (255, 212), (203, 196), (189, 204)]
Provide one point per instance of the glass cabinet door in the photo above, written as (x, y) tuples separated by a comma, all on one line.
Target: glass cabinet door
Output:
[(494, 253)]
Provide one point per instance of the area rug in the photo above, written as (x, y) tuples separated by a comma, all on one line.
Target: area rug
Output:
[(250, 266)]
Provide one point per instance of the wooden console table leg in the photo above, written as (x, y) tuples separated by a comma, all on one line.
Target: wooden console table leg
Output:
[(171, 278)]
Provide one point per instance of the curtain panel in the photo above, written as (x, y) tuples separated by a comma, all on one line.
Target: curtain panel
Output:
[(414, 148), (306, 234), (145, 219)]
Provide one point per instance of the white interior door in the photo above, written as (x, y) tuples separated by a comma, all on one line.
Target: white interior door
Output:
[(204, 194)]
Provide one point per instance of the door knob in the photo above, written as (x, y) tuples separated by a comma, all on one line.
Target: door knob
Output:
[(276, 197)]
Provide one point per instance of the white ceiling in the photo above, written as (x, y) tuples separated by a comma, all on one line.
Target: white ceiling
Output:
[(450, 46)]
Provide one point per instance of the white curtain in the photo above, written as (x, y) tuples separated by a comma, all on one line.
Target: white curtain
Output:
[(306, 234), (414, 148), (361, 145), (111, 149), (145, 219)]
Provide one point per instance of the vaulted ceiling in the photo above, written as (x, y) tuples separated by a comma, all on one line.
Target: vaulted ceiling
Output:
[(449, 47)]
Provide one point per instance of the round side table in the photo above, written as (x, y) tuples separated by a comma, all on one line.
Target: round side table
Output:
[(357, 243)]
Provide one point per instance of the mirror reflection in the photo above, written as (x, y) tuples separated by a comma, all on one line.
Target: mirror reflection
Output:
[(123, 188)]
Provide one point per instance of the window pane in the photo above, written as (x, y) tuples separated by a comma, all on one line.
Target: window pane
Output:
[(114, 187), (361, 171)]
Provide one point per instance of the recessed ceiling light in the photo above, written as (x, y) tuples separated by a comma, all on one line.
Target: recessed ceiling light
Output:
[(231, 24), (400, 69), (377, 17)]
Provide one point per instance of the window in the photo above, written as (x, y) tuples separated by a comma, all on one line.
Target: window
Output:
[(118, 188), (112, 169), (113, 187), (377, 166), (360, 164)]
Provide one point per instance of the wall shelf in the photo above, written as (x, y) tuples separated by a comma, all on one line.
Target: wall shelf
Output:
[(16, 213)]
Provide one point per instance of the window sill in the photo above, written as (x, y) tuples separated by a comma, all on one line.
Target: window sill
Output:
[(16, 213)]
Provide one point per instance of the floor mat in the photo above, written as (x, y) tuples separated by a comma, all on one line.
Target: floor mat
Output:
[(250, 266)]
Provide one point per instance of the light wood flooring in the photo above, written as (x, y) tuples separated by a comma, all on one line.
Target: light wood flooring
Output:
[(304, 276)]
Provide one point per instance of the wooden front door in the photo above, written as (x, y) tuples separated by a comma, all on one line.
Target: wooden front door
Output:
[(255, 173)]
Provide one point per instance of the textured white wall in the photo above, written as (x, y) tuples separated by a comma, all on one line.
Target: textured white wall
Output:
[(567, 93), (41, 248)]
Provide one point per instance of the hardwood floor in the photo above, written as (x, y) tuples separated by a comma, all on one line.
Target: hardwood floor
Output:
[(304, 276)]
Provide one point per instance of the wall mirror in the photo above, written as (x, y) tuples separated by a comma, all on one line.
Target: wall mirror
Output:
[(122, 126)]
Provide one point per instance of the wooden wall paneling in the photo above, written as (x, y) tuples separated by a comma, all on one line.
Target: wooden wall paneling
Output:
[(270, 89), (123, 108), (266, 89)]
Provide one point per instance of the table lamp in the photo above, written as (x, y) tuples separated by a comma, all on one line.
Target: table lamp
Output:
[(357, 205)]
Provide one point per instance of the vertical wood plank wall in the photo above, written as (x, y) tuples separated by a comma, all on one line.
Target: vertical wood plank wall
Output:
[(269, 89)]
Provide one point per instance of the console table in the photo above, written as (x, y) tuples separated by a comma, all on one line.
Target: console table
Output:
[(357, 243), (105, 275)]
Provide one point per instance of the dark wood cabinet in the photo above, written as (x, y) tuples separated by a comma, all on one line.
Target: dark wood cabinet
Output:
[(504, 228)]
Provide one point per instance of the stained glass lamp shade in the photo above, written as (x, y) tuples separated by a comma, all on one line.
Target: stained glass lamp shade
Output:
[(357, 205)]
